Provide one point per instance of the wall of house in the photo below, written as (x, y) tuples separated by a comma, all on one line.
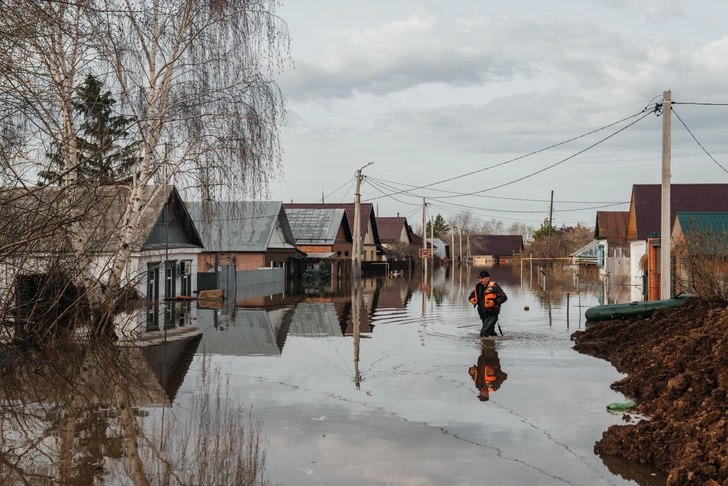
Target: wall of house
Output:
[(636, 250), (316, 248), (243, 261)]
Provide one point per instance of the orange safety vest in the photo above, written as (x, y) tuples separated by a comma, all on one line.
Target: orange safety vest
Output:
[(489, 296)]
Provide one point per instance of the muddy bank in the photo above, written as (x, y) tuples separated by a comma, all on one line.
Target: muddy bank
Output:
[(677, 365)]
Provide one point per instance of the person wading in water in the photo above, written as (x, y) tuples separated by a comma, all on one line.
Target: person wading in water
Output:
[(488, 297)]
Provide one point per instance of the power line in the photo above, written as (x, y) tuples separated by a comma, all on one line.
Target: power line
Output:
[(534, 153), (697, 103), (696, 141), (337, 189), (383, 181)]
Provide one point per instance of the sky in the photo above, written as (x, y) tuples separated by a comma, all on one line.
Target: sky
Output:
[(448, 101)]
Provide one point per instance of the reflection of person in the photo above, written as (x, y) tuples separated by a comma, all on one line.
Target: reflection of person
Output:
[(487, 374), (488, 297)]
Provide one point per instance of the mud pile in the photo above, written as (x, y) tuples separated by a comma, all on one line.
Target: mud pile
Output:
[(677, 366)]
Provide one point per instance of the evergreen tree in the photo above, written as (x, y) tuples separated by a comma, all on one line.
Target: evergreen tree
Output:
[(440, 227), (104, 154), (544, 231)]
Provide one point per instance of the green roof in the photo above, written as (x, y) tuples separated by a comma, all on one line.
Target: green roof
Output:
[(703, 222)]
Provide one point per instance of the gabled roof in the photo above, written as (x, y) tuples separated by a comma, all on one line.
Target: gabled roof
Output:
[(366, 210), (98, 213), (612, 225), (242, 226), (317, 226), (496, 245), (712, 223), (645, 207), (439, 247), (390, 229)]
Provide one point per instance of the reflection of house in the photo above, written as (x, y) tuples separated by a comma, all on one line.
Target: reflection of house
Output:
[(315, 319), (372, 247), (247, 332), (323, 234), (700, 244), (645, 213), (494, 249)]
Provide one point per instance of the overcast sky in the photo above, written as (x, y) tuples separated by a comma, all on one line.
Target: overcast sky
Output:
[(442, 91)]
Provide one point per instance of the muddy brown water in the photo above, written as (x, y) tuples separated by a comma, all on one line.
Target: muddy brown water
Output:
[(386, 398)]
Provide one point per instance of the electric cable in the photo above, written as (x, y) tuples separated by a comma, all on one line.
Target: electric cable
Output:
[(536, 152), (697, 103), (337, 189), (696, 141)]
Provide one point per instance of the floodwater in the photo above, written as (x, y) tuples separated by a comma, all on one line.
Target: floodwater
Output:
[(365, 387)]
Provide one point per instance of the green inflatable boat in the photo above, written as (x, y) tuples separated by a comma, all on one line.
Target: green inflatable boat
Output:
[(635, 309)]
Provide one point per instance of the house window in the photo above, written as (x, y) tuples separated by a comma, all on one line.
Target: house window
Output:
[(346, 253), (338, 253), (153, 281), (185, 271), (170, 279)]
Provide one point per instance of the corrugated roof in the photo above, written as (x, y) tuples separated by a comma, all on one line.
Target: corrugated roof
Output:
[(715, 223), (366, 210), (496, 245), (242, 226), (99, 212), (612, 225), (646, 203), (390, 229), (317, 226)]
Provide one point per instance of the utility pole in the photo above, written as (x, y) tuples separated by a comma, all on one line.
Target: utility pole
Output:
[(356, 247), (665, 236), (551, 216), (424, 237)]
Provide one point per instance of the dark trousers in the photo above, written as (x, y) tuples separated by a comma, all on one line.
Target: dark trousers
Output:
[(489, 321)]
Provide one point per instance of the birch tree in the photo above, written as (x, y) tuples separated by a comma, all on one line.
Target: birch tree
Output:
[(195, 76)]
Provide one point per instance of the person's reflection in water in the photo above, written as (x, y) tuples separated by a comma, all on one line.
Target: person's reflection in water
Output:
[(487, 374)]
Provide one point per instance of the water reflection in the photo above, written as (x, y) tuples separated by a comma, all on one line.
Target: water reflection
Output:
[(487, 374), (95, 414)]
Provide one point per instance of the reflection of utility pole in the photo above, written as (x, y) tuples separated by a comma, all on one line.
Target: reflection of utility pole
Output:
[(424, 239), (357, 246), (356, 322)]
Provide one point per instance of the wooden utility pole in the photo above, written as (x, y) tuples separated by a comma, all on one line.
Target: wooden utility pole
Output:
[(551, 219), (665, 236), (356, 247)]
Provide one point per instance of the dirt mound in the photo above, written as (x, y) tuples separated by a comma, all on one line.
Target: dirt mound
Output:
[(677, 365)]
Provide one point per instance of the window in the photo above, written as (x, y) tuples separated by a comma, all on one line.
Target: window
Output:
[(346, 253)]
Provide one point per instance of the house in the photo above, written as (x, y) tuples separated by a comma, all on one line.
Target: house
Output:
[(371, 245), (494, 249), (439, 248), (323, 234), (612, 227), (245, 236), (644, 220), (163, 259), (700, 247), (394, 232)]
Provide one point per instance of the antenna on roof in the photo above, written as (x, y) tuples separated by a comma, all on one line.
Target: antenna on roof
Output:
[(322, 192)]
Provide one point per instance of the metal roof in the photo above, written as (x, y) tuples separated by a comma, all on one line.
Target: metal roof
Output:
[(366, 211), (438, 247), (612, 225), (715, 223), (316, 226), (496, 245), (646, 205), (242, 226), (390, 229)]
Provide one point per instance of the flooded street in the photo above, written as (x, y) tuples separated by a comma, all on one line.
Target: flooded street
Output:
[(407, 412), (387, 397)]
